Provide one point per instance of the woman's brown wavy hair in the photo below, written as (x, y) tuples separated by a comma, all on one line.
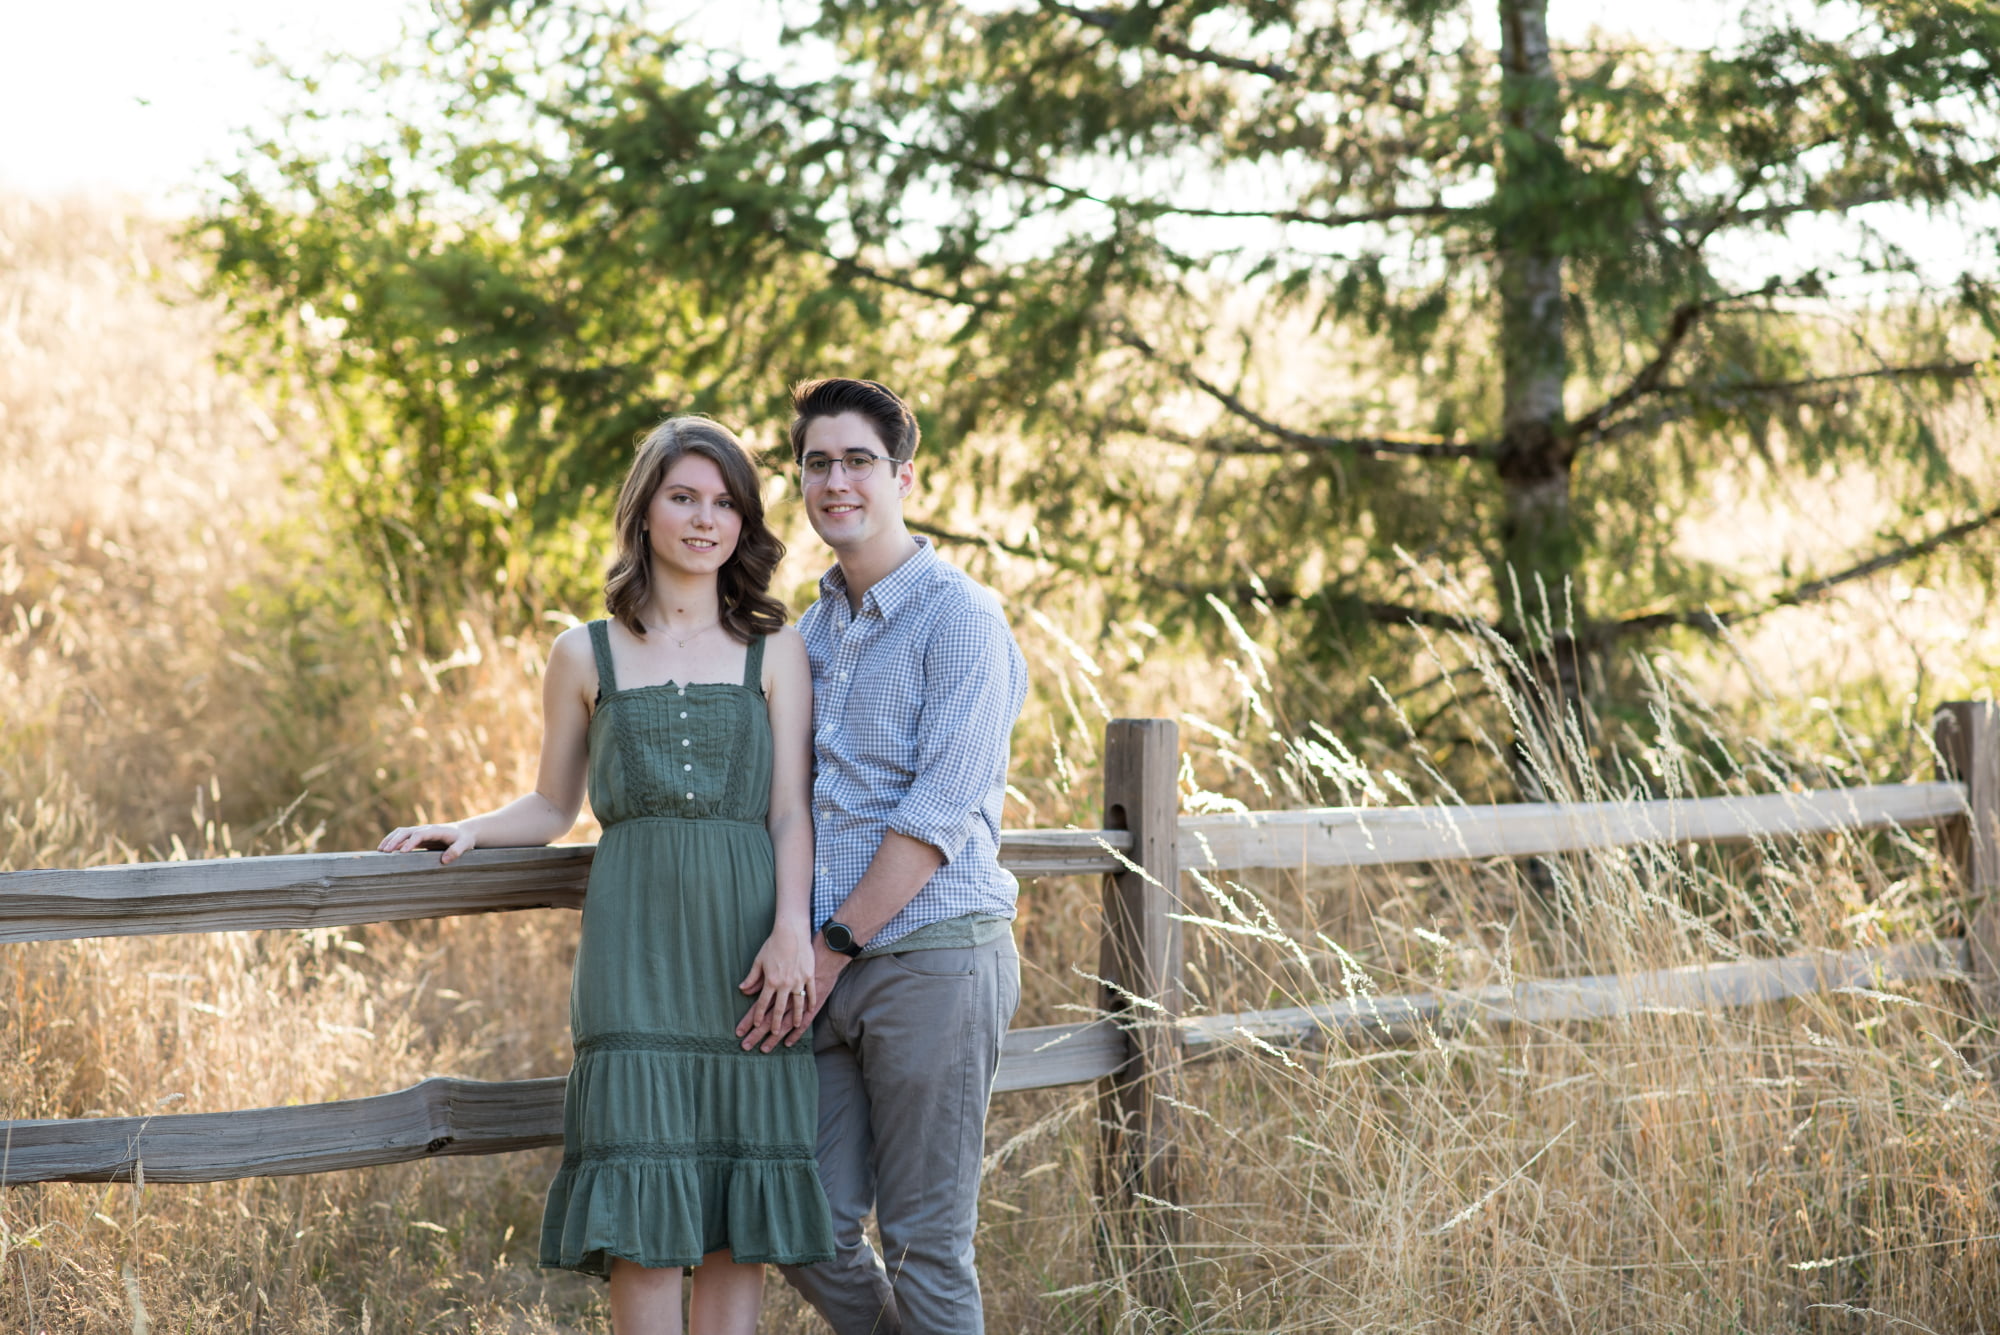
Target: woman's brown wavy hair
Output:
[(744, 582)]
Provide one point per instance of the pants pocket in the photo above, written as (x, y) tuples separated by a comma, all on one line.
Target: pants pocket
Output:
[(943, 962)]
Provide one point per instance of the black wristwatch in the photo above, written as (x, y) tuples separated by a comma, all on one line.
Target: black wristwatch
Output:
[(839, 936)]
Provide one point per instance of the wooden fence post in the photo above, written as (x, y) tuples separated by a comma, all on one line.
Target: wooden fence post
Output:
[(1967, 734), (1141, 961)]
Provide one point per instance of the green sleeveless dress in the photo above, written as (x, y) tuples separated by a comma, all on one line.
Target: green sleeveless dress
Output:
[(676, 1142)]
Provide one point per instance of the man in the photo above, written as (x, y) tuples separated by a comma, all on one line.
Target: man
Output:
[(917, 682)]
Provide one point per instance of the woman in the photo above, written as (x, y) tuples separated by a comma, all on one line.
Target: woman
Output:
[(689, 711)]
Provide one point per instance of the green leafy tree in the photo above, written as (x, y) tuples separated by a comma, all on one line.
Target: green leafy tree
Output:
[(1232, 298), (485, 321)]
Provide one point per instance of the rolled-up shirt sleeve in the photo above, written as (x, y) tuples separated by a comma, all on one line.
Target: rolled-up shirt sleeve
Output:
[(974, 684)]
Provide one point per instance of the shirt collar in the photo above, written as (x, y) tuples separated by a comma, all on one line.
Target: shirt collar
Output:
[(895, 588)]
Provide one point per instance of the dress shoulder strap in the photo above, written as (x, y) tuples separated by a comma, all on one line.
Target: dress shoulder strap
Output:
[(753, 665), (600, 645)]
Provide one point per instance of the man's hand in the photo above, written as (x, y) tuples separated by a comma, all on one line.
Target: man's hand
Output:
[(827, 964)]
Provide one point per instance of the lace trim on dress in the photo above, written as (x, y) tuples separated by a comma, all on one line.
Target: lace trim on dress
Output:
[(706, 1151), (636, 1041)]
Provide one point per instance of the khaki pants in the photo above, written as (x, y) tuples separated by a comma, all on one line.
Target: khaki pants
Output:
[(907, 1047)]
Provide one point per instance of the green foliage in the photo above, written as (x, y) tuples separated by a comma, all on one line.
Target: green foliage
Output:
[(1220, 295), (487, 324)]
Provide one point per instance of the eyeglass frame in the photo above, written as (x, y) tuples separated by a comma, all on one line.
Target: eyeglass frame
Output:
[(829, 460)]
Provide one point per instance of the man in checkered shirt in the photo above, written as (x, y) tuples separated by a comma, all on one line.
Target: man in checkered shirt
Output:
[(917, 682)]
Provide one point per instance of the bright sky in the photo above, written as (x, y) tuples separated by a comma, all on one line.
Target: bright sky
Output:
[(138, 96), (133, 97), (129, 97)]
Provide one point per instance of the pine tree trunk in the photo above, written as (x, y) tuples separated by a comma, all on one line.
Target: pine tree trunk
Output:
[(1538, 540)]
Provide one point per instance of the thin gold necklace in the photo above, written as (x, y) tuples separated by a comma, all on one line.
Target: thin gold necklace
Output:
[(680, 643)]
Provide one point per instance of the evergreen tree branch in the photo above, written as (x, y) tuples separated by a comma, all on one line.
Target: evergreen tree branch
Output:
[(1925, 371), (1068, 563), (1116, 203), (1390, 213), (1593, 424), (848, 264), (1710, 622), (1251, 446), (1238, 594), (1367, 447), (1711, 222), (1797, 392), (1114, 20), (1244, 594), (1111, 21)]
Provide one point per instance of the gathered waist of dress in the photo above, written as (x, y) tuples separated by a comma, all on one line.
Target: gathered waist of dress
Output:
[(706, 821)]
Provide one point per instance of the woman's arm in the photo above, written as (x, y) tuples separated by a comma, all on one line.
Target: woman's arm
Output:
[(782, 975), (547, 813)]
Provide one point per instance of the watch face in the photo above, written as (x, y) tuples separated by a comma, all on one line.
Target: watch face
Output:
[(838, 937)]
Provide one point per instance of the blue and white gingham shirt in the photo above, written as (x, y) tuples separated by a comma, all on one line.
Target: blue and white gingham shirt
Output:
[(914, 697)]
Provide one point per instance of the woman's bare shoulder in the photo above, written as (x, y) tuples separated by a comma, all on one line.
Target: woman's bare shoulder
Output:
[(785, 658), (573, 645), (572, 659), (786, 645)]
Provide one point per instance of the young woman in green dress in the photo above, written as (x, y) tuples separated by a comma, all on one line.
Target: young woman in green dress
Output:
[(687, 714)]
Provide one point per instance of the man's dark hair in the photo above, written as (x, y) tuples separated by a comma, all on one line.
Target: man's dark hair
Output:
[(894, 423)]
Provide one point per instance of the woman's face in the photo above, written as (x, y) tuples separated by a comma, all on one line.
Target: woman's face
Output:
[(693, 523)]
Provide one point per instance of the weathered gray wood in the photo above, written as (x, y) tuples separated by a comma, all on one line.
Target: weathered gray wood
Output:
[(1029, 853), (1967, 735), (437, 1117), (1363, 837), (303, 890), (446, 1116), (1398, 1019), (347, 889), (1138, 1169), (1049, 1055)]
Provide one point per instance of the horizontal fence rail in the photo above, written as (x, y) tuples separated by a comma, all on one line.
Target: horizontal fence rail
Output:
[(445, 1116), (440, 1116), (1378, 836), (1695, 988), (296, 891), (350, 889), (436, 1117), (1129, 1050)]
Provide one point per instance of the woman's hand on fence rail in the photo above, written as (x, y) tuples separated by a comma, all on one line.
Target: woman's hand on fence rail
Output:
[(455, 839)]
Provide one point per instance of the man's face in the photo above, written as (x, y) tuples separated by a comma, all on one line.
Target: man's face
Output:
[(849, 508)]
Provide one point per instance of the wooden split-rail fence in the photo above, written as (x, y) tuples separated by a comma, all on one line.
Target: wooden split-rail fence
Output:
[(1134, 1052)]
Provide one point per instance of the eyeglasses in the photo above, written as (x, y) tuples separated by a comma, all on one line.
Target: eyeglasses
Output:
[(858, 464)]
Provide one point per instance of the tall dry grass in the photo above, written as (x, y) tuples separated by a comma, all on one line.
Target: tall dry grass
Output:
[(177, 682), (173, 687)]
